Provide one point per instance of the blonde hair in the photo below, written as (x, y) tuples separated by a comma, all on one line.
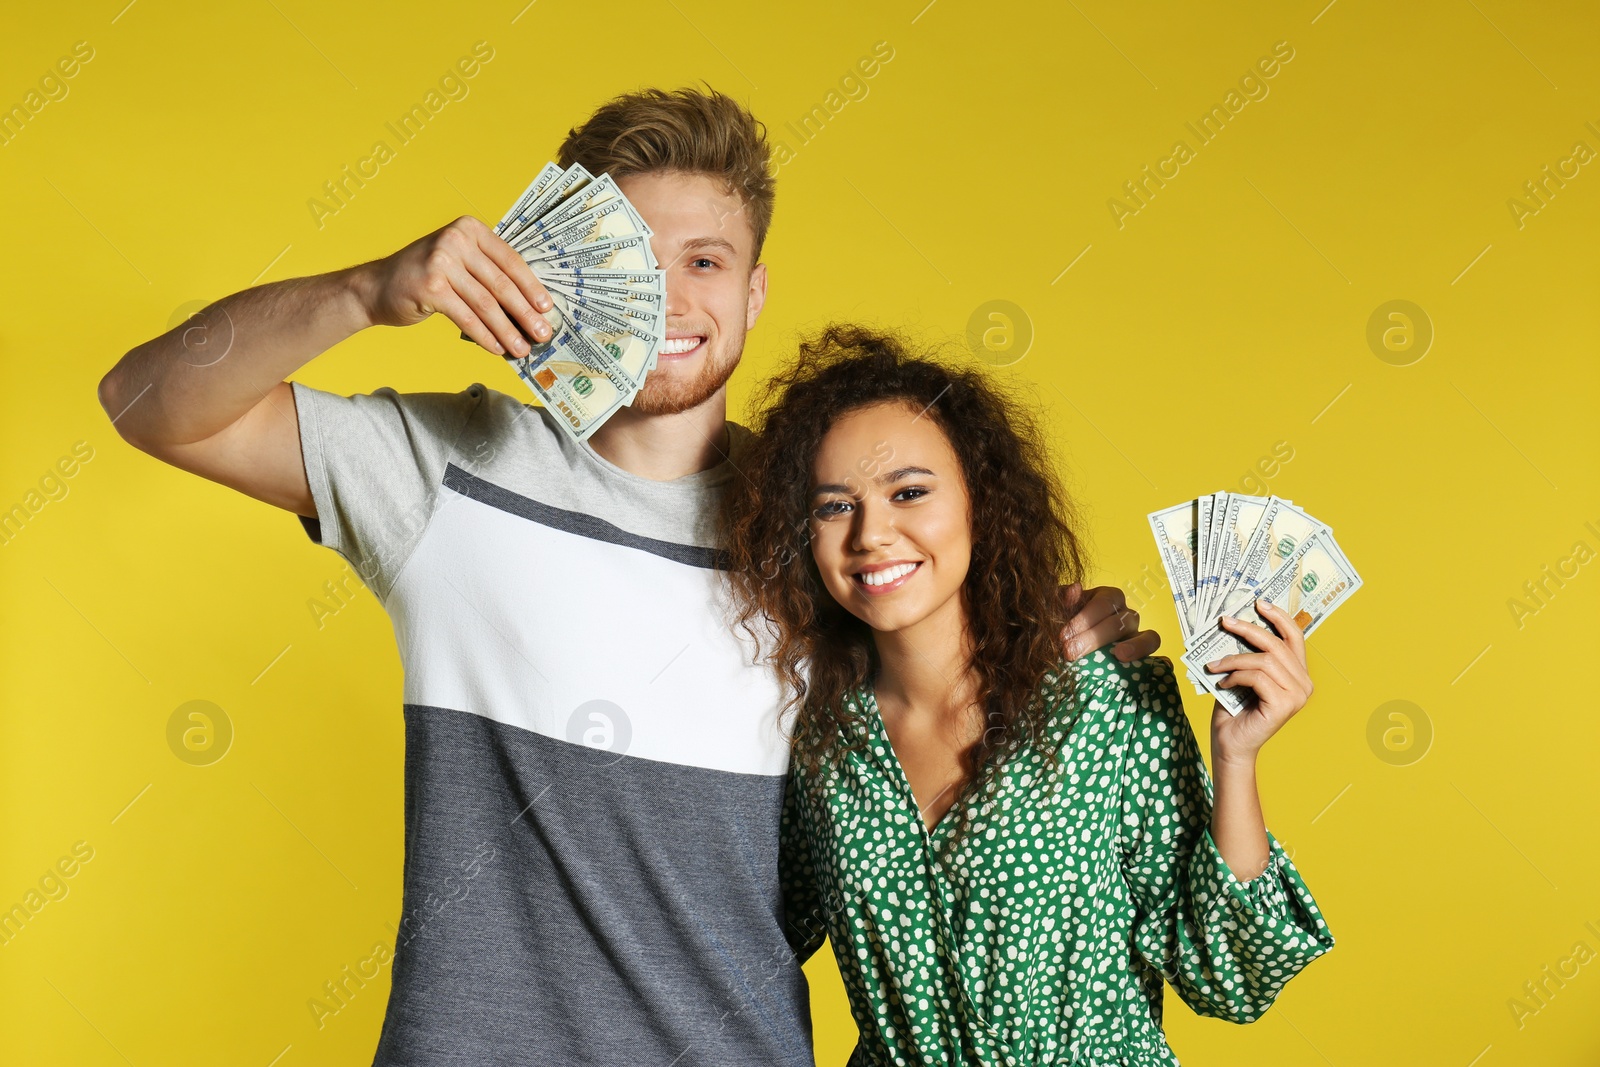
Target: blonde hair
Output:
[(683, 130)]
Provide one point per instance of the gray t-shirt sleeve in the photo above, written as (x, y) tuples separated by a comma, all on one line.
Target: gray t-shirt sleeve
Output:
[(375, 462)]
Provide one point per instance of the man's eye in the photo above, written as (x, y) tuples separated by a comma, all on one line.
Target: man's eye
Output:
[(831, 509), (703, 262), (911, 492)]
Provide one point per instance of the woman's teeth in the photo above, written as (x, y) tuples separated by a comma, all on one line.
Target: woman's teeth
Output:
[(675, 346), (887, 575)]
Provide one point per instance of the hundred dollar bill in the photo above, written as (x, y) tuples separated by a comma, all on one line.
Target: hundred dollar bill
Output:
[(652, 299), (576, 377), (1209, 528), (1174, 530), (625, 352), (1281, 529), (585, 346), (648, 281), (1323, 579), (1219, 508), (616, 308), (1314, 581), (574, 177), (1242, 516), (1214, 547), (639, 316), (624, 253), (565, 376), (606, 222), (601, 314), (640, 299), (584, 200), (546, 177), (591, 249)]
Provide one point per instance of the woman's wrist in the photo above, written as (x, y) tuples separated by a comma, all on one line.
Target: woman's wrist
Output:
[(1234, 763)]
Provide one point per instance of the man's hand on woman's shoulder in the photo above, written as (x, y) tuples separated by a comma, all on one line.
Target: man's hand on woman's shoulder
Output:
[(1101, 616)]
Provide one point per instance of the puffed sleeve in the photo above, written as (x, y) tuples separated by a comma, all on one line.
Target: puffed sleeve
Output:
[(805, 920), (1228, 947)]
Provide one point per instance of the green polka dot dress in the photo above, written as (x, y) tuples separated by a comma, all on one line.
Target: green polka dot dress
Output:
[(1043, 935)]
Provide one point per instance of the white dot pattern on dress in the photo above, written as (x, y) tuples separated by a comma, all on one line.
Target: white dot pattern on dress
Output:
[(1043, 935)]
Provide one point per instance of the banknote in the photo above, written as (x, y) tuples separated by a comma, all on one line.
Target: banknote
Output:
[(625, 354), (1281, 527), (1309, 584), (621, 253), (1223, 551), (622, 308), (591, 249), (586, 347), (582, 200), (571, 386), (1202, 563), (610, 279), (1174, 530), (632, 298), (636, 301), (625, 332), (614, 309), (608, 222), (551, 194), (517, 213), (1241, 516)]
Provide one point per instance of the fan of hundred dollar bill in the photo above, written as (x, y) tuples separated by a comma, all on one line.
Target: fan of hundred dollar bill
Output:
[(1223, 552), (591, 250)]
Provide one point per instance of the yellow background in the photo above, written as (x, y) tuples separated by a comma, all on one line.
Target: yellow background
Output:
[(1226, 316)]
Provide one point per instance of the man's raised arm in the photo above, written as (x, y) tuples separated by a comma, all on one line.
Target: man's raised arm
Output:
[(210, 395)]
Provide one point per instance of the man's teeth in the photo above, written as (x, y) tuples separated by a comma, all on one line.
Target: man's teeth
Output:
[(888, 574), (677, 345)]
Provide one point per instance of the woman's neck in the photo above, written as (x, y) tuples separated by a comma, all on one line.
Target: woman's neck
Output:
[(926, 668)]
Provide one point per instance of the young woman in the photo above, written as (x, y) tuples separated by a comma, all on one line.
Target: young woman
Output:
[(1008, 852)]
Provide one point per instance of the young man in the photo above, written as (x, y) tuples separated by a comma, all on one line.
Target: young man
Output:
[(594, 766)]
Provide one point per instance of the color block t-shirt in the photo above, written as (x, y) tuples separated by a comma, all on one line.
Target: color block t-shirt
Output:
[(594, 768)]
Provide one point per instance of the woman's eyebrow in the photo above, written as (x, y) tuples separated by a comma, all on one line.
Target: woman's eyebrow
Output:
[(898, 474)]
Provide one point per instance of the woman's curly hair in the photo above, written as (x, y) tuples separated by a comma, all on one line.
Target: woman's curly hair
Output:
[(1024, 543)]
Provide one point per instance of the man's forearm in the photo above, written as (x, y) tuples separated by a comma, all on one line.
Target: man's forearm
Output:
[(203, 375)]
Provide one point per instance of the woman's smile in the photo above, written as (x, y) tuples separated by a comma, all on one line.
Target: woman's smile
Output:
[(881, 579)]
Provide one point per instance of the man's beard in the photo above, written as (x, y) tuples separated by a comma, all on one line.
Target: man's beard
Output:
[(660, 397)]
